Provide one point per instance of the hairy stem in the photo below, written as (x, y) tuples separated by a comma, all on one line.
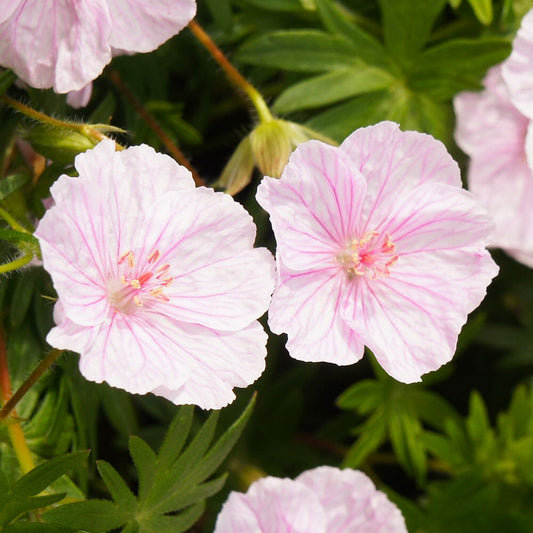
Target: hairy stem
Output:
[(86, 130), (233, 74)]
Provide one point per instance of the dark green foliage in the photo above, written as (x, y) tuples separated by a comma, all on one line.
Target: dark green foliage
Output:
[(170, 481)]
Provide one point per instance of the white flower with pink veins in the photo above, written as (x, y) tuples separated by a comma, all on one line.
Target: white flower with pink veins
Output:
[(377, 245), (499, 140), (322, 500), (158, 282), (65, 44)]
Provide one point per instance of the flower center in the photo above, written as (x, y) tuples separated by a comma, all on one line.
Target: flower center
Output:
[(372, 255), (140, 283)]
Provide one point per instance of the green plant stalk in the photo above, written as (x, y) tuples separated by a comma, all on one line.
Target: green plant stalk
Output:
[(232, 73), (12, 222), (17, 263), (86, 130), (43, 366), (16, 435)]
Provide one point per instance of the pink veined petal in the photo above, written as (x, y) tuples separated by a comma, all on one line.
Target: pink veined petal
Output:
[(495, 135), (7, 8), (307, 307), (352, 502), (73, 235), (315, 207), (411, 319), (487, 123), (211, 227), (131, 184), (224, 294), (272, 505), (436, 216), (80, 98), (143, 25), (517, 68), (392, 161), (56, 43), (214, 361)]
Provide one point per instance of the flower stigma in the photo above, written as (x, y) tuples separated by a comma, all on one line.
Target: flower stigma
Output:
[(136, 287), (371, 256)]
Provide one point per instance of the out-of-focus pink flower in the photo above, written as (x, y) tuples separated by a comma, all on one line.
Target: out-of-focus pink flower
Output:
[(377, 244), (322, 500), (517, 69), (499, 140), (65, 45), (159, 284)]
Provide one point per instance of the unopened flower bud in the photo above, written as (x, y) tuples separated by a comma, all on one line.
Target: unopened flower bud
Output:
[(58, 144)]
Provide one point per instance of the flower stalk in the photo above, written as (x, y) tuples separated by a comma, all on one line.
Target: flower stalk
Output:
[(232, 73), (90, 132), (20, 446)]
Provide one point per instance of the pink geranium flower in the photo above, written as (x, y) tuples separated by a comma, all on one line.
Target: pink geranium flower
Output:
[(517, 69), (158, 282), (499, 140), (65, 45), (322, 500), (377, 244)]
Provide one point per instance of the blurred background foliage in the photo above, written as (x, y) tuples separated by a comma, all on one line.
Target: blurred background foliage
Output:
[(454, 452)]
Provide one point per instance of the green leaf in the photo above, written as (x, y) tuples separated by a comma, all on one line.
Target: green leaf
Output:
[(11, 183), (483, 10), (332, 87), (46, 473), (407, 25), (366, 47), (221, 12), (7, 78), (363, 397), (22, 296), (21, 498), (120, 492), (478, 423), (176, 436), (341, 120), (35, 527), (277, 5), (458, 65), (372, 434), (145, 462), (94, 516), (173, 524), (299, 50), (405, 434)]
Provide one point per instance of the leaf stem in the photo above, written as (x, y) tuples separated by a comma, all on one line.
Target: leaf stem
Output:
[(232, 73), (152, 123), (88, 131), (14, 429), (12, 222), (17, 263), (43, 366)]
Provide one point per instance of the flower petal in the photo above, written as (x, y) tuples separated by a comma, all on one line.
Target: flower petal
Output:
[(58, 43), (436, 216), (315, 207), (394, 162), (495, 135), (352, 502), (143, 25), (517, 68), (307, 308), (411, 319), (272, 505)]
